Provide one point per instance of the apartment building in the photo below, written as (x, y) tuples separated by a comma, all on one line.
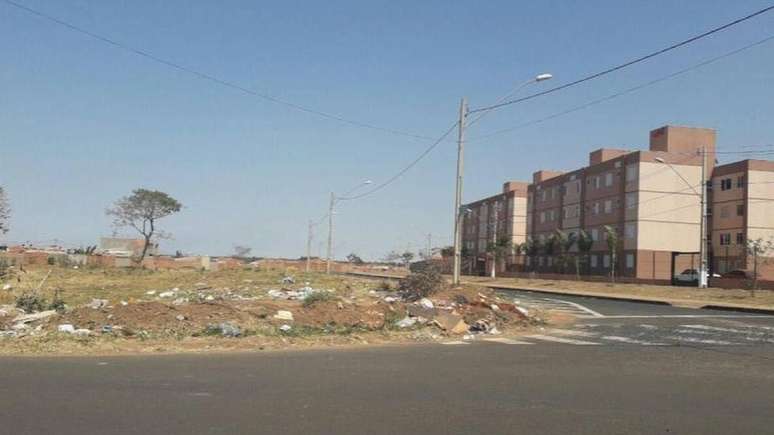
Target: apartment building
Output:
[(487, 220), (742, 209)]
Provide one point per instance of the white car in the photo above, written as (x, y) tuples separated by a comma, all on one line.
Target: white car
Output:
[(692, 276)]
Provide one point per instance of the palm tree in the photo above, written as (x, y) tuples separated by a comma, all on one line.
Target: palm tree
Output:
[(565, 242), (550, 245), (499, 250), (585, 243), (532, 248)]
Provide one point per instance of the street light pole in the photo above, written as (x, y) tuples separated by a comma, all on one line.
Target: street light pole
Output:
[(703, 272), (458, 193), (309, 247)]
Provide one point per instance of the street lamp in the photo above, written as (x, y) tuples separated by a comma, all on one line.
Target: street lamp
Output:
[(702, 281), (334, 200), (458, 212)]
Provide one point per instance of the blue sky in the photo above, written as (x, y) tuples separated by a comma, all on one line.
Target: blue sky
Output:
[(83, 123)]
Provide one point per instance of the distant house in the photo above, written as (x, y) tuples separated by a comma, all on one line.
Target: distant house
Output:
[(120, 247)]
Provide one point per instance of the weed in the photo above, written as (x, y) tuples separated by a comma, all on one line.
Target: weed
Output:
[(31, 302), (418, 285), (315, 297)]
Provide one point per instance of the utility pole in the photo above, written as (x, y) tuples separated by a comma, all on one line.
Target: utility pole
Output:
[(429, 253), (702, 227), (330, 234), (458, 194), (309, 247)]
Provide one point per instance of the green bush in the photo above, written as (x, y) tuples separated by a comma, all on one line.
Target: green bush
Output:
[(315, 297), (31, 302), (421, 284)]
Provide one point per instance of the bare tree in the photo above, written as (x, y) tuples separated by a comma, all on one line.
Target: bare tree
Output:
[(758, 250), (242, 251), (5, 211), (141, 210)]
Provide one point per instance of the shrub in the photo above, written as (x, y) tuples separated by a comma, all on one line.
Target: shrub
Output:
[(31, 302), (418, 285), (57, 303), (318, 297)]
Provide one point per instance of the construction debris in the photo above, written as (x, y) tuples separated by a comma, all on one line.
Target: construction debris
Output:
[(284, 315), (96, 304)]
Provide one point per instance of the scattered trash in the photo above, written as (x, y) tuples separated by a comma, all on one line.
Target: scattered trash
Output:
[(124, 303), (180, 317), (288, 280), (481, 326), (96, 304), (150, 292), (452, 323), (7, 287), (27, 318), (284, 315), (167, 294), (68, 328), (106, 329), (209, 298), (285, 328), (179, 301), (406, 322), (390, 299), (82, 332), (426, 303), (229, 329)]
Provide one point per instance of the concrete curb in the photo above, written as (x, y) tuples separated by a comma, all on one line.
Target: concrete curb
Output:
[(684, 303)]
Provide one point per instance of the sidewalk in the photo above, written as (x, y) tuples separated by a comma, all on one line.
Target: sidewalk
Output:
[(688, 297)]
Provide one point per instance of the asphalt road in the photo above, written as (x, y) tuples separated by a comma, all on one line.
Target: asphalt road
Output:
[(484, 387)]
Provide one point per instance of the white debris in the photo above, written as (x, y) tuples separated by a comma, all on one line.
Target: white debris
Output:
[(494, 307), (285, 328), (124, 303), (180, 317), (150, 292), (209, 298), (179, 301), (284, 315), (426, 303), (390, 299), (7, 287), (27, 318), (97, 303), (66, 327), (523, 311), (167, 294), (82, 332), (406, 322)]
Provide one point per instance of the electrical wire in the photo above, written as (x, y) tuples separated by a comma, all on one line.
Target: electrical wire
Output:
[(629, 63), (625, 91), (209, 77), (405, 169)]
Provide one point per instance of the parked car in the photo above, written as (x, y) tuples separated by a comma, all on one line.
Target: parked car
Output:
[(737, 274), (691, 276)]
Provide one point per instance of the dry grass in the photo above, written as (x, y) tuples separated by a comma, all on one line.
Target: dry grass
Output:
[(762, 298), (79, 286)]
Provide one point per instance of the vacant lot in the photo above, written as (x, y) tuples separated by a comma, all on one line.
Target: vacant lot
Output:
[(111, 310)]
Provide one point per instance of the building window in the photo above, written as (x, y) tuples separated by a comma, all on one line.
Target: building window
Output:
[(595, 208), (629, 261), (593, 261), (725, 239), (740, 210), (609, 179), (740, 239), (724, 212), (631, 200), (540, 261), (725, 184), (740, 181), (606, 260), (542, 217), (630, 231), (608, 206), (595, 182), (595, 234), (631, 173)]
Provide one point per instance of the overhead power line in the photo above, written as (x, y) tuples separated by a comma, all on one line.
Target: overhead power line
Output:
[(209, 77), (629, 63), (626, 91), (405, 169)]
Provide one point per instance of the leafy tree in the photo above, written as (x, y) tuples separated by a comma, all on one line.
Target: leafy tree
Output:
[(550, 246), (564, 242), (612, 246), (141, 210), (585, 243), (407, 257), (5, 211), (499, 250), (241, 251), (179, 254), (355, 259), (447, 251), (758, 250), (532, 249)]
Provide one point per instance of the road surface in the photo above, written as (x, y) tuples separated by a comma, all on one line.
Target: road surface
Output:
[(653, 379)]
